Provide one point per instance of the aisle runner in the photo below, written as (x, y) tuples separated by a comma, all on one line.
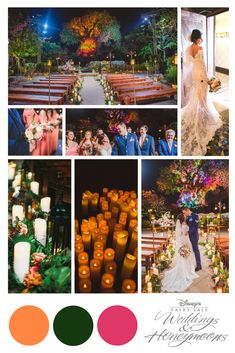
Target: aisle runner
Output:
[(91, 92)]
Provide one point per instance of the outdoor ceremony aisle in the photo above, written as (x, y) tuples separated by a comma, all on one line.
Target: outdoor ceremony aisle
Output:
[(91, 92)]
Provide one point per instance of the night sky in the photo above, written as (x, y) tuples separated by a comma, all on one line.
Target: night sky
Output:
[(129, 18)]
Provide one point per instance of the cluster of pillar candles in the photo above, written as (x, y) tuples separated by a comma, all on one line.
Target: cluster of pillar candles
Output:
[(22, 249), (106, 242)]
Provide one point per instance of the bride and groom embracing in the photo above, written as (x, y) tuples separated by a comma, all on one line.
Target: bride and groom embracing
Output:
[(181, 276)]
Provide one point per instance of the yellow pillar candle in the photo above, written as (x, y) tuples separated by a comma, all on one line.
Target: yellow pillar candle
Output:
[(79, 247), (102, 223), (103, 239), (83, 272), (105, 191), (113, 200), (85, 285), (99, 255), (95, 270), (76, 226), (83, 258), (122, 238), (85, 227), (134, 240), (133, 195), (107, 215), (94, 204), (104, 231), (98, 245), (99, 217), (135, 253), (128, 286), (123, 222), (104, 207), (78, 238), (118, 227), (85, 203), (109, 195), (107, 282), (94, 234), (111, 267), (92, 219), (125, 208), (86, 239), (115, 212), (128, 266), (92, 225), (132, 224), (109, 255), (134, 213)]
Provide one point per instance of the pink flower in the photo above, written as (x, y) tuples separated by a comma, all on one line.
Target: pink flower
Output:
[(38, 257), (23, 229)]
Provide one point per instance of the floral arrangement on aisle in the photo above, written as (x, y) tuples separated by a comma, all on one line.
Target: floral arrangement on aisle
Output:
[(108, 92), (36, 264), (76, 97)]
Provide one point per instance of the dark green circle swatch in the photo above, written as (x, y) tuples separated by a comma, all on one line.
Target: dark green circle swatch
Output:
[(73, 325)]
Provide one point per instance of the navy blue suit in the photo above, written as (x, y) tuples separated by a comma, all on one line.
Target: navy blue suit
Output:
[(148, 148), (163, 148), (126, 146), (17, 145), (192, 222)]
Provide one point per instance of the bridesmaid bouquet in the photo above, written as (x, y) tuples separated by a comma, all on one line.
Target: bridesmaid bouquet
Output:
[(184, 251), (34, 132), (214, 84)]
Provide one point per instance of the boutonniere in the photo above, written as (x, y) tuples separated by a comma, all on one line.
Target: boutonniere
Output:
[(146, 140)]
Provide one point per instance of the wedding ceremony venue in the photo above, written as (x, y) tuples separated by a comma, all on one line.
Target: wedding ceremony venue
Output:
[(205, 38), (35, 132), (39, 226), (106, 226), (92, 56), (102, 132), (185, 226)]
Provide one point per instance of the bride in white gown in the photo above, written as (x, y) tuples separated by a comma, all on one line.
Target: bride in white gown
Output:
[(199, 118), (181, 276)]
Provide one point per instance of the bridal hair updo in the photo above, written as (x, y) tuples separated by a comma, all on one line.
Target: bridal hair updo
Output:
[(195, 35), (181, 218)]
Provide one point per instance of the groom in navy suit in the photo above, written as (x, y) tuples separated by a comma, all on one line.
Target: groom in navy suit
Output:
[(168, 147), (17, 145), (192, 222), (126, 143), (146, 142)]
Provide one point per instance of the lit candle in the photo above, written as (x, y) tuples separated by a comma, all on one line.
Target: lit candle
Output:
[(98, 245), (78, 238), (95, 269), (99, 255), (85, 202), (132, 224), (99, 217), (115, 212), (85, 285), (11, 171), (17, 212), (149, 287), (105, 191), (111, 267), (94, 204), (86, 239), (94, 234), (79, 247), (134, 240), (45, 204), (128, 286), (104, 231), (83, 258), (76, 226), (128, 266), (109, 255), (34, 187), (134, 213), (83, 272), (107, 282), (104, 207), (21, 260), (113, 200), (40, 230), (122, 238)]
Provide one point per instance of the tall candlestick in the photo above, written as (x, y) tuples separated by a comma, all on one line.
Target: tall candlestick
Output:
[(40, 230), (128, 286), (34, 187), (122, 238), (95, 269), (128, 266), (85, 285), (45, 204), (21, 260), (17, 212)]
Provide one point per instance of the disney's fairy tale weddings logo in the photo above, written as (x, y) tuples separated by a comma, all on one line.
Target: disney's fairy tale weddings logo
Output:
[(186, 323)]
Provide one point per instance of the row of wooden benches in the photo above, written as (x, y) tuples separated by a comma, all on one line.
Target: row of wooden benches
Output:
[(43, 91), (150, 246), (131, 89)]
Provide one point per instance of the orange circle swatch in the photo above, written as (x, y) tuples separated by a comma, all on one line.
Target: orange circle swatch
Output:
[(29, 325)]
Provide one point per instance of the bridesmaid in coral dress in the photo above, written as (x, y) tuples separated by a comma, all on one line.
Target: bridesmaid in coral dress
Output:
[(30, 117), (86, 146), (55, 121), (45, 142), (71, 145)]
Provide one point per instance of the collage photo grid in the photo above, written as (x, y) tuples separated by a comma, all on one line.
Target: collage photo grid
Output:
[(118, 154)]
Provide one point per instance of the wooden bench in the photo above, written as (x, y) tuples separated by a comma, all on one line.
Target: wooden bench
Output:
[(38, 91), (138, 88), (132, 80), (46, 85), (34, 99), (142, 96)]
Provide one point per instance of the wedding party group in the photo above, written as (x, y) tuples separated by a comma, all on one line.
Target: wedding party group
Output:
[(34, 132), (125, 143)]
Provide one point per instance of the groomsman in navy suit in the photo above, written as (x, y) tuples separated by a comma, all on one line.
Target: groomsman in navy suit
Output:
[(168, 147), (17, 145), (125, 143), (146, 142)]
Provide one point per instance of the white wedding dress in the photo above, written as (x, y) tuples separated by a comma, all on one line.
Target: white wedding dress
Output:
[(199, 118), (181, 276)]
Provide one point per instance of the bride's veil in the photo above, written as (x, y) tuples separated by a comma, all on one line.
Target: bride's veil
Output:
[(186, 75), (178, 235)]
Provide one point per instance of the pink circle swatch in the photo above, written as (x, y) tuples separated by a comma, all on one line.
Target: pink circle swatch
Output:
[(117, 325)]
